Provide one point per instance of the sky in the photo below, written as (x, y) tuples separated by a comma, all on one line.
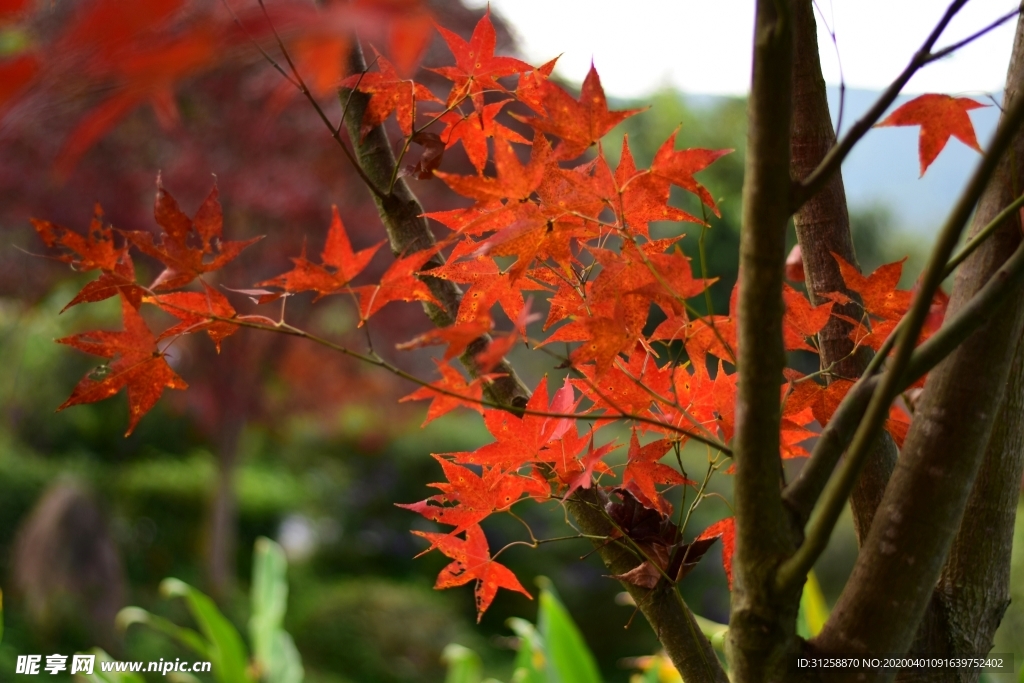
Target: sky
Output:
[(704, 46)]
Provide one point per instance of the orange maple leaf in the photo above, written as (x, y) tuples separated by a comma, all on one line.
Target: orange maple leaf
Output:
[(581, 123), (340, 264), (940, 116), (137, 364), (188, 247), (726, 530), (476, 67), (472, 561), (643, 472), (388, 92), (194, 309)]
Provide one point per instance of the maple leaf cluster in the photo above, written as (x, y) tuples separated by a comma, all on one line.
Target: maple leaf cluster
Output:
[(549, 219)]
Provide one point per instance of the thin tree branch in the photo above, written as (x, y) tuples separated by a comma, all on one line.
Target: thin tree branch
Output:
[(809, 186), (971, 38)]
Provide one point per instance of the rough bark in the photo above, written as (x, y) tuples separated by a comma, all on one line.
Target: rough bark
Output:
[(922, 508), (822, 229), (672, 621), (974, 585), (761, 625), (973, 590)]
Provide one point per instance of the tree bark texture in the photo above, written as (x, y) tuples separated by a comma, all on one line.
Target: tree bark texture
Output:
[(762, 622), (823, 229)]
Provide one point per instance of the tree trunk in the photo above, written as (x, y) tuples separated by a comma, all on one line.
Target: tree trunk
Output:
[(762, 621), (822, 229), (221, 541)]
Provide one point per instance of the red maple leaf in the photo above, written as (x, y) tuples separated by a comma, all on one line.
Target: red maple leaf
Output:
[(940, 116), (194, 309), (399, 283), (457, 336), (519, 440), (726, 530), (476, 67), (679, 166), (474, 128), (530, 89), (644, 196), (801, 320), (877, 291), (388, 92), (488, 285), (822, 400), (468, 498), (136, 363), (513, 181), (472, 562), (581, 123), (455, 392), (120, 280), (94, 250), (340, 264), (188, 247), (589, 463), (643, 472)]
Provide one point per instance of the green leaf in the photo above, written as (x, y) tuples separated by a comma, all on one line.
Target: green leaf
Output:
[(181, 677), (571, 659), (464, 665), (227, 652), (186, 636), (284, 664), (531, 664), (100, 676), (813, 608), (269, 593), (714, 631), (273, 649)]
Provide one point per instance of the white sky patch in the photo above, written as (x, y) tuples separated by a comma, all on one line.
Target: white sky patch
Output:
[(702, 46)]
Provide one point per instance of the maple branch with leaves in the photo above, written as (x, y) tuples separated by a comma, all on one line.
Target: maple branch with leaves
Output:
[(549, 215)]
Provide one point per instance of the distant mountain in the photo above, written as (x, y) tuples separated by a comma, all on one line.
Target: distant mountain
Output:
[(883, 168)]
